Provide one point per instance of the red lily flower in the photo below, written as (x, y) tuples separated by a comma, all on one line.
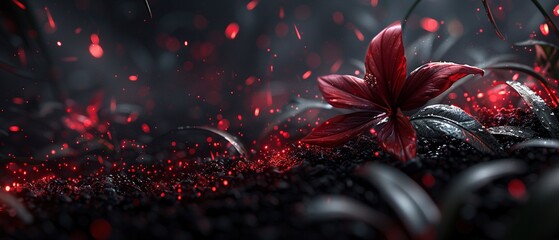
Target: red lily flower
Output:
[(382, 96)]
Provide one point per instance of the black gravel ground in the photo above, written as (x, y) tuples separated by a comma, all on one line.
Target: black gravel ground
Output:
[(263, 202)]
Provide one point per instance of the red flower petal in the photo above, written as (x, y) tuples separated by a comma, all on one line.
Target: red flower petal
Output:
[(345, 91), (341, 128), (386, 62), (430, 80), (397, 137)]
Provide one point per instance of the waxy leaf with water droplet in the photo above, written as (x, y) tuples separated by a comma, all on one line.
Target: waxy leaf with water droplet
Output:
[(512, 131), (536, 143), (440, 120), (539, 107)]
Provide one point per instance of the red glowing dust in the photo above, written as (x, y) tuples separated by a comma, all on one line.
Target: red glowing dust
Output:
[(429, 24), (14, 128), (19, 4), (297, 32), (307, 74), (516, 188), (52, 24), (100, 229), (556, 10), (133, 78), (232, 30), (96, 50), (544, 29), (252, 4), (358, 34), (428, 180), (94, 38)]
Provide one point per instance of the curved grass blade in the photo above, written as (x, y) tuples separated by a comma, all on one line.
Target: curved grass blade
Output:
[(536, 143), (468, 182), (13, 203), (415, 208), (446, 120), (234, 141), (539, 218), (296, 107), (546, 16), (327, 208), (148, 8), (529, 71), (492, 19), (532, 42), (408, 13), (512, 131), (539, 107)]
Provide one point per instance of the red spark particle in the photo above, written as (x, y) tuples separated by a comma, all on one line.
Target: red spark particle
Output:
[(429, 24), (250, 80), (94, 38), (58, 43), (338, 18), (556, 10), (544, 29), (252, 4), (297, 32), (516, 188), (52, 24), (100, 229), (19, 4), (256, 112), (225, 183), (374, 3), (223, 124), (185, 43), (428, 180), (281, 13), (133, 78), (307, 74), (358, 34), (14, 128), (145, 128), (7, 188), (232, 30), (22, 56), (336, 66), (18, 100), (96, 50)]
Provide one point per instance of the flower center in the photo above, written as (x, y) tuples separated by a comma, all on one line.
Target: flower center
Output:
[(370, 79)]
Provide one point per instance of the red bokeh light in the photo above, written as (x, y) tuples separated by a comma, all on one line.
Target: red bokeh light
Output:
[(429, 24), (232, 30), (96, 50)]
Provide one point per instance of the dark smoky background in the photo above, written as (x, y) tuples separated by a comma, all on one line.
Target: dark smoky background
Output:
[(228, 64)]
